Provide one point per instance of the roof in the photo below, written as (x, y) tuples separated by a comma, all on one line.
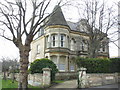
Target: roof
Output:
[(57, 17), (72, 25)]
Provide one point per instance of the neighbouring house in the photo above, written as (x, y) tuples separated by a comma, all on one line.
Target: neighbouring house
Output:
[(62, 41)]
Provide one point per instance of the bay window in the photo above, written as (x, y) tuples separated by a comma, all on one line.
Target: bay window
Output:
[(72, 44), (54, 38), (62, 40)]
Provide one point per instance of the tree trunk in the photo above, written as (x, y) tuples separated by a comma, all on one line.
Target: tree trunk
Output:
[(23, 74), (93, 49), (91, 53), (4, 75)]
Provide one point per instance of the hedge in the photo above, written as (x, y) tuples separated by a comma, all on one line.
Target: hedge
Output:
[(115, 65), (37, 66), (99, 65)]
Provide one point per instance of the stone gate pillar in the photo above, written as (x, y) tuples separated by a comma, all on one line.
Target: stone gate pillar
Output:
[(46, 76), (82, 78)]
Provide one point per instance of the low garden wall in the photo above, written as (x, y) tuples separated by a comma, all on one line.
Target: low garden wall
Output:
[(86, 80), (36, 79), (33, 79), (102, 79)]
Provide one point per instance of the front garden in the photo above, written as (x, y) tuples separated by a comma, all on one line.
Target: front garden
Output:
[(7, 84)]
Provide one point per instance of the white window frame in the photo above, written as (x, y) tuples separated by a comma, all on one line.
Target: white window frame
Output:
[(62, 40), (72, 68), (61, 66), (54, 41)]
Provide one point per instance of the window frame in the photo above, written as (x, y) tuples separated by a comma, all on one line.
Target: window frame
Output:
[(62, 40), (38, 49), (54, 40)]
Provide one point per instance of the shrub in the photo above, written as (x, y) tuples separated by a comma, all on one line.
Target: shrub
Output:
[(39, 64), (94, 65), (115, 65)]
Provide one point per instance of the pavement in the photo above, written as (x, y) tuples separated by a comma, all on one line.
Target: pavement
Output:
[(72, 85), (105, 87), (66, 84)]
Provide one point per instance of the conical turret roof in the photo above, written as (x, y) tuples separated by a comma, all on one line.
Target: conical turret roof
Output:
[(57, 17)]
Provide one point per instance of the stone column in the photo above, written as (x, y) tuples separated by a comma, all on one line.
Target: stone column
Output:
[(82, 78), (46, 77), (66, 42), (116, 78), (49, 41), (58, 58), (59, 40), (66, 64)]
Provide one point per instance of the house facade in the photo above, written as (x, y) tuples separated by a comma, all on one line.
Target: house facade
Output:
[(62, 41)]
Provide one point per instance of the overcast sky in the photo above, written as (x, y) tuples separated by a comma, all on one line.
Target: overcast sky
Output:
[(8, 49)]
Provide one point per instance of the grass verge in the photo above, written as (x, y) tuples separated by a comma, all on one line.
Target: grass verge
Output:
[(8, 84)]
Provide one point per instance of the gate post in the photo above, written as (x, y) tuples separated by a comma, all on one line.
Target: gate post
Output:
[(46, 77), (82, 78)]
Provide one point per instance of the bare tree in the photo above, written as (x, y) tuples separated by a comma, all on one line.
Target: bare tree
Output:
[(98, 20), (6, 63), (23, 24)]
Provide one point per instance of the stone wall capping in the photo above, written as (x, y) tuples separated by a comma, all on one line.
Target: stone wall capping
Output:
[(46, 69)]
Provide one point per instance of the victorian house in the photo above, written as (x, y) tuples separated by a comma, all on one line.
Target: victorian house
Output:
[(62, 41)]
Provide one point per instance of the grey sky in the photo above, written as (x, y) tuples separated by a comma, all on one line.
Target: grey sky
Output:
[(8, 49)]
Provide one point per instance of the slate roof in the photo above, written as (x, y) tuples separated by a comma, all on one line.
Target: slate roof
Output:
[(72, 25), (57, 17)]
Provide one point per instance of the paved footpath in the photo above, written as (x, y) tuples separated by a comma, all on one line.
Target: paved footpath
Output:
[(67, 84), (72, 84)]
